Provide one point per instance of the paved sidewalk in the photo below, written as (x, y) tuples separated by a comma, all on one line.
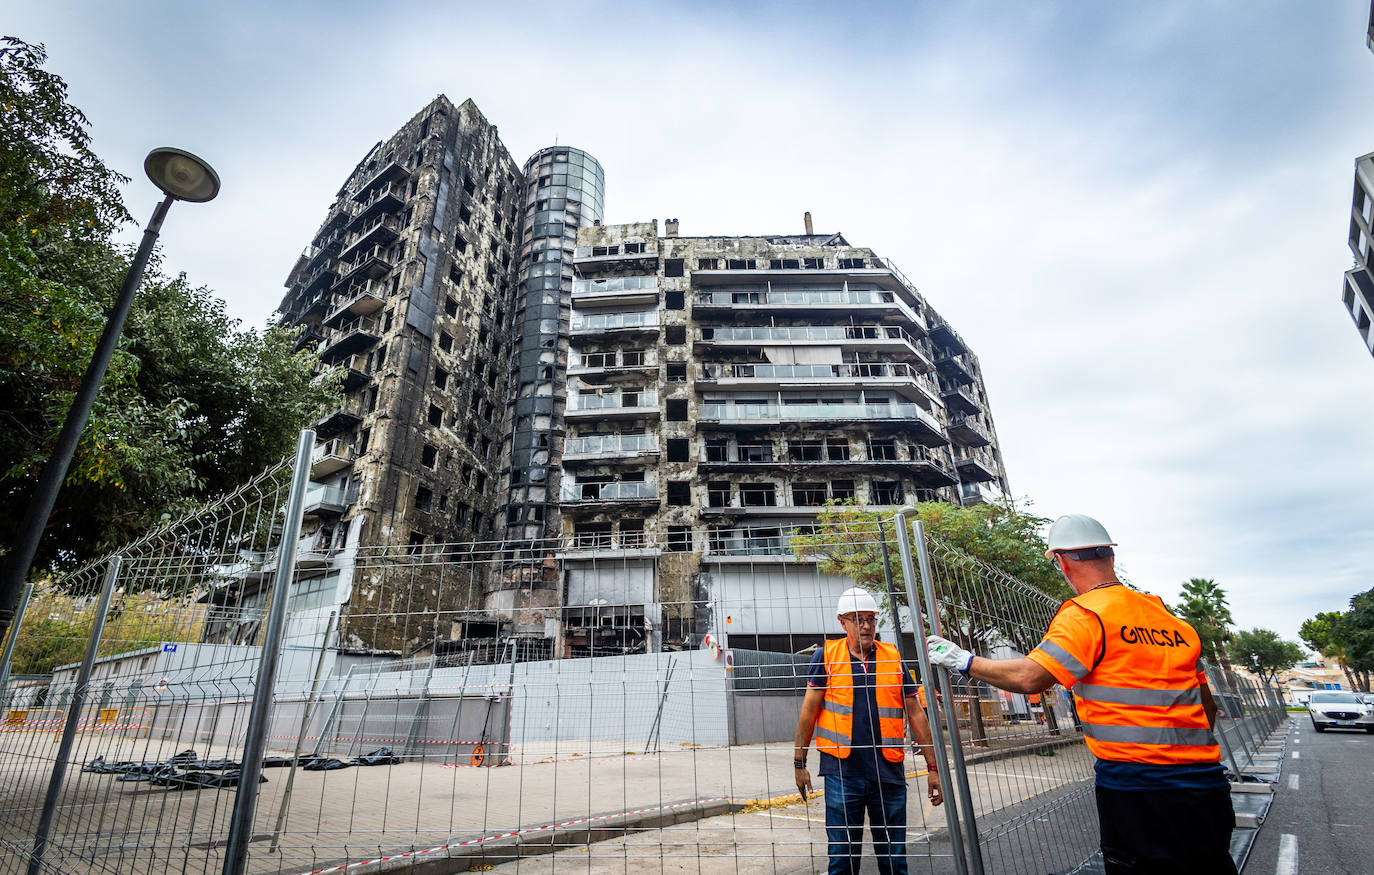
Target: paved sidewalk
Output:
[(362, 813)]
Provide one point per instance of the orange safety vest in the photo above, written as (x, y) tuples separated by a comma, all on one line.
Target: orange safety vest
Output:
[(835, 725), (1140, 701)]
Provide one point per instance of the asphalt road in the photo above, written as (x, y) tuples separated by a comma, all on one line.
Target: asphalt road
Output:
[(1322, 819)]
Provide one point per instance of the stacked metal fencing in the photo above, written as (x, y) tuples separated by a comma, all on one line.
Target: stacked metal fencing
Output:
[(1248, 712), (399, 731)]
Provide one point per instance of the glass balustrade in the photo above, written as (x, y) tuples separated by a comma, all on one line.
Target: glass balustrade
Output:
[(612, 402), (803, 332), (610, 444), (615, 491), (809, 412), (612, 321)]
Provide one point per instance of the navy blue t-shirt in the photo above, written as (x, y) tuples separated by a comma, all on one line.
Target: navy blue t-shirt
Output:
[(1116, 775), (865, 758)]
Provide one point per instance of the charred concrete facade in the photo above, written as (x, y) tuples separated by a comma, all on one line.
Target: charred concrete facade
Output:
[(407, 287), (720, 390)]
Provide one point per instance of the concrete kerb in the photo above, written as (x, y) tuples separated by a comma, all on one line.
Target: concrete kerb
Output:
[(537, 841)]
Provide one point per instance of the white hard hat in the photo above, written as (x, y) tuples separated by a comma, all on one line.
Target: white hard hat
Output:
[(1076, 531), (856, 599)]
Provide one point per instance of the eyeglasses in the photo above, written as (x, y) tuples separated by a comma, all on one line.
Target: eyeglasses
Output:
[(871, 620)]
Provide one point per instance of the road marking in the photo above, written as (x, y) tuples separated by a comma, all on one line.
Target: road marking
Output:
[(788, 816), (1292, 782), (1288, 856), (1297, 755)]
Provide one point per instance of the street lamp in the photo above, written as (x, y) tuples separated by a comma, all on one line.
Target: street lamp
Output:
[(182, 177)]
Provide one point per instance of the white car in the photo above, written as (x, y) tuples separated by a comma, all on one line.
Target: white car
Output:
[(1341, 709)]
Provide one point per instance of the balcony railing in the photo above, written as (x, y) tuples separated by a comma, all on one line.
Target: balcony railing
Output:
[(633, 400), (808, 298), (631, 540), (330, 456), (968, 430), (620, 359), (591, 322), (850, 371), (382, 226), (610, 445), (814, 412), (619, 490), (837, 333), (352, 336), (329, 499), (615, 285)]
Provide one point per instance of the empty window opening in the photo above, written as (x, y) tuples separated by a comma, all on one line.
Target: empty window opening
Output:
[(718, 493), (758, 494), (674, 300), (436, 416), (429, 456), (440, 378), (887, 492), (673, 266), (677, 372), (842, 490), (809, 494), (679, 449), (679, 493), (679, 539), (677, 410), (675, 334)]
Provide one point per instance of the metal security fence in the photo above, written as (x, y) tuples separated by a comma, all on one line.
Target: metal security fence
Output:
[(614, 702), (1249, 710)]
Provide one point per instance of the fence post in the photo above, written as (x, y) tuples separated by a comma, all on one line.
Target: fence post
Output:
[(929, 677), (307, 711), (9, 641), (956, 744), (255, 743), (64, 749)]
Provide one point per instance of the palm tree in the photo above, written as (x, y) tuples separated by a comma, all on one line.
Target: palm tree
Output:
[(1204, 607)]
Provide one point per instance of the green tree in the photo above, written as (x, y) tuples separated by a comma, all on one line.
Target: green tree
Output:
[(1204, 607), (192, 404), (1325, 633), (1263, 652), (1356, 631)]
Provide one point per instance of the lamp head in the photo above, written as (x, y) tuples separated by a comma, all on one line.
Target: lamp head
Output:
[(181, 174)]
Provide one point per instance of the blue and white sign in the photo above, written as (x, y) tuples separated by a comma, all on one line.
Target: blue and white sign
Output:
[(169, 648)]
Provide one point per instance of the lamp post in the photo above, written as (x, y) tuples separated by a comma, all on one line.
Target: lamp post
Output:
[(182, 177)]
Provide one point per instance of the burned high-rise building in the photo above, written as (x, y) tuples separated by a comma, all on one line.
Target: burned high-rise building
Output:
[(572, 396)]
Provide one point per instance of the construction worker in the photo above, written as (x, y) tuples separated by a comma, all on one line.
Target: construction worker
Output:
[(1163, 799), (859, 703)]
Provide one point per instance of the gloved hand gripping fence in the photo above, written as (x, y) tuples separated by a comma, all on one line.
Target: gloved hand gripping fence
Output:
[(946, 653)]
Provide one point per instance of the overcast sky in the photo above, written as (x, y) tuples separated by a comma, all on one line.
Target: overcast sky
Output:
[(1134, 213)]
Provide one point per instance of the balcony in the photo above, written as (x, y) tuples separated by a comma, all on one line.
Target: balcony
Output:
[(889, 339), (954, 368), (926, 428), (360, 299), (387, 199), (900, 376), (968, 432), (351, 337), (345, 418), (311, 336), (604, 545), (601, 366), (330, 457), (635, 321), (380, 230), (620, 256), (843, 301), (618, 492), (390, 171), (356, 373), (975, 467), (977, 493), (326, 248), (319, 280), (329, 499), (612, 405), (599, 447), (617, 290), (947, 338), (368, 264), (961, 399)]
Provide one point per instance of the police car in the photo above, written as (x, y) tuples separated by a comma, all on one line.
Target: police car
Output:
[(1338, 708)]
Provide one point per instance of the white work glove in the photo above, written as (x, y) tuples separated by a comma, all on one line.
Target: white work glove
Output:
[(948, 654)]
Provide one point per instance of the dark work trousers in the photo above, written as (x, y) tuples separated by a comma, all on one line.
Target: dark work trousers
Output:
[(1178, 832), (846, 800)]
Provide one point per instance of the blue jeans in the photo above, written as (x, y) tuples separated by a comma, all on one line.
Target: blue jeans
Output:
[(846, 800)]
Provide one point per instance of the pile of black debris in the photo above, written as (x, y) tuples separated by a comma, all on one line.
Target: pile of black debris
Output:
[(187, 771)]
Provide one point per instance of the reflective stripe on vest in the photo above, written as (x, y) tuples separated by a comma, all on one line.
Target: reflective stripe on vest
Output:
[(1142, 701), (834, 730)]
